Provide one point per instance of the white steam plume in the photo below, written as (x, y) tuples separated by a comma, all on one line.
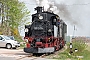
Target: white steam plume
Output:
[(60, 9), (44, 3)]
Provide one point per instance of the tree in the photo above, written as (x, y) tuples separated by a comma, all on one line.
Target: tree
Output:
[(15, 14)]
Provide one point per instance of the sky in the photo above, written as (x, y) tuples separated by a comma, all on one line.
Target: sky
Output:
[(79, 12)]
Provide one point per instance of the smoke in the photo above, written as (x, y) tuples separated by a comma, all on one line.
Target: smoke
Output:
[(57, 8), (64, 13), (42, 3), (39, 2)]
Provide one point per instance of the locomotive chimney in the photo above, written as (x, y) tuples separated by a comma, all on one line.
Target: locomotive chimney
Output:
[(39, 9)]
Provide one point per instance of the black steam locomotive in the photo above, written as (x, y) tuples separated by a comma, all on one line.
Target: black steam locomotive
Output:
[(46, 34)]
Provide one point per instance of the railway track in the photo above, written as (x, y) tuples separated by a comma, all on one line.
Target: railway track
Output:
[(33, 56), (36, 56)]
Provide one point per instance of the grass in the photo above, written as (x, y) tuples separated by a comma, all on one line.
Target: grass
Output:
[(86, 55), (83, 50), (88, 48)]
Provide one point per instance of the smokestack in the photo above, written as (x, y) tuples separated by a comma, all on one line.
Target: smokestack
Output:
[(39, 9)]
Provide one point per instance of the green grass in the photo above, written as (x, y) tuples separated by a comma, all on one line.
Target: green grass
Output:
[(82, 51), (86, 55)]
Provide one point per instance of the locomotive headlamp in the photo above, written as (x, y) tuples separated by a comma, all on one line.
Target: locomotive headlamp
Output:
[(49, 30), (40, 17), (26, 29)]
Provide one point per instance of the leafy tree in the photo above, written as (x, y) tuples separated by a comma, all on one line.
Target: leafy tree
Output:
[(15, 14)]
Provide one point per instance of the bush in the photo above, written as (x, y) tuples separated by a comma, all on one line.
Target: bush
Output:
[(18, 39), (79, 45)]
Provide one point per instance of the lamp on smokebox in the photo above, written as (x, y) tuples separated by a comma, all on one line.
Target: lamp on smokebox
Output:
[(40, 17)]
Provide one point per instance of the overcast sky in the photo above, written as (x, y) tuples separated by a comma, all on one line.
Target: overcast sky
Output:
[(79, 11)]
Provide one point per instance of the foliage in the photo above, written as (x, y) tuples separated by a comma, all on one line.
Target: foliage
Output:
[(0, 33), (22, 44), (16, 14), (18, 39), (86, 55), (80, 45)]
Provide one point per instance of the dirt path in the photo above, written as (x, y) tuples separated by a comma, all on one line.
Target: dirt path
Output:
[(18, 54)]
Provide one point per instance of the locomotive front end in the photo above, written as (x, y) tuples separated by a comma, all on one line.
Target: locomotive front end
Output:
[(40, 36)]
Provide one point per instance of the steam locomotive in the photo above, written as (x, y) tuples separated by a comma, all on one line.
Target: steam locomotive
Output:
[(46, 34)]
